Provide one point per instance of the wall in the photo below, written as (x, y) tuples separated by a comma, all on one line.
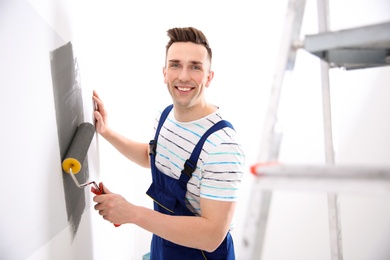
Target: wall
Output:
[(34, 205), (119, 47)]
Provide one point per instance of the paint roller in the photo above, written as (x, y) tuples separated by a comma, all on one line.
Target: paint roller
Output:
[(76, 153)]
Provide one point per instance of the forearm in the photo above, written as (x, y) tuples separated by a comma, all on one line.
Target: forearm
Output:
[(189, 231), (205, 233), (135, 151)]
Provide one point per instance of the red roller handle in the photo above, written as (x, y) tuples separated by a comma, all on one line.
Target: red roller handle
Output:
[(99, 192)]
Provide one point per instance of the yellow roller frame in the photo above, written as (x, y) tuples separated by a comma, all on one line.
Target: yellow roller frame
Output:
[(71, 163)]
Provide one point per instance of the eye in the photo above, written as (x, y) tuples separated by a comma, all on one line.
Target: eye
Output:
[(195, 65), (174, 65)]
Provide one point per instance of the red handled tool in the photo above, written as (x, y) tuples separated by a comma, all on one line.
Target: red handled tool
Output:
[(76, 154), (98, 191)]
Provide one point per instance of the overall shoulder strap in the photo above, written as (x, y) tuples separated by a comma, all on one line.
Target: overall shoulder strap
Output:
[(164, 115), (190, 164)]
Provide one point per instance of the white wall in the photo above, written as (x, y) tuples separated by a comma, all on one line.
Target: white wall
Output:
[(120, 49), (34, 214)]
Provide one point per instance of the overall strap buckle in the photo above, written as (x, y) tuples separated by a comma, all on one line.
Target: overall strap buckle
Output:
[(189, 168), (152, 147)]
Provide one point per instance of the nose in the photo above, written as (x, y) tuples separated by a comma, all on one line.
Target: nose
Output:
[(184, 75)]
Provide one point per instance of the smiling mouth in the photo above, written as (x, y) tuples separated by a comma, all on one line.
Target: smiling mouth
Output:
[(183, 89)]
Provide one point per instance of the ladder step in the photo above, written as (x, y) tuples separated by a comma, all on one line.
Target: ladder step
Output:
[(324, 178), (320, 171), (356, 48)]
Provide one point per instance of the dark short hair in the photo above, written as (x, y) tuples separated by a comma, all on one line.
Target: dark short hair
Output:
[(188, 34)]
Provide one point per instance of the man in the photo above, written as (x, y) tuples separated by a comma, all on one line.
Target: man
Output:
[(196, 161)]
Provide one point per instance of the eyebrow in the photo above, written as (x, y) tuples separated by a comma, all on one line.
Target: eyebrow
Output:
[(192, 62)]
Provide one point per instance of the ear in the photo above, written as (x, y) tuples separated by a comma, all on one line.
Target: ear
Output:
[(165, 75), (209, 78)]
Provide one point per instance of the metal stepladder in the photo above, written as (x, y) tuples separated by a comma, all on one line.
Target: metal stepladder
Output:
[(348, 49)]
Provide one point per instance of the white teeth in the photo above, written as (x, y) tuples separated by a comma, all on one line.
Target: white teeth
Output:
[(184, 89)]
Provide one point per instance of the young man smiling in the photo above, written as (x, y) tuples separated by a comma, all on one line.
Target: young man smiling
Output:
[(195, 158)]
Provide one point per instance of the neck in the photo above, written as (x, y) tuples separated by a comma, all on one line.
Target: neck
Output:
[(189, 114)]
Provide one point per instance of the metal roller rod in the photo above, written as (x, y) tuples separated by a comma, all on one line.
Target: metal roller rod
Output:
[(84, 184)]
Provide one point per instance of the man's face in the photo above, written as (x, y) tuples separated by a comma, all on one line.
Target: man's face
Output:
[(187, 73)]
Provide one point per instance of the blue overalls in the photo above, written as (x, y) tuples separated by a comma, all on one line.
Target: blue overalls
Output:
[(169, 198)]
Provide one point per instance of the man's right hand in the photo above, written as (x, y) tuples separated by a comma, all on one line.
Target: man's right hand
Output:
[(100, 114)]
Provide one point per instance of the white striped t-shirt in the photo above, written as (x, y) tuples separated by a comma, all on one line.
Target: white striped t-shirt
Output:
[(220, 165)]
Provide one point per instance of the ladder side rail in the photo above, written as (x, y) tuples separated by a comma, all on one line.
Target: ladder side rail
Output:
[(257, 218), (335, 237)]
